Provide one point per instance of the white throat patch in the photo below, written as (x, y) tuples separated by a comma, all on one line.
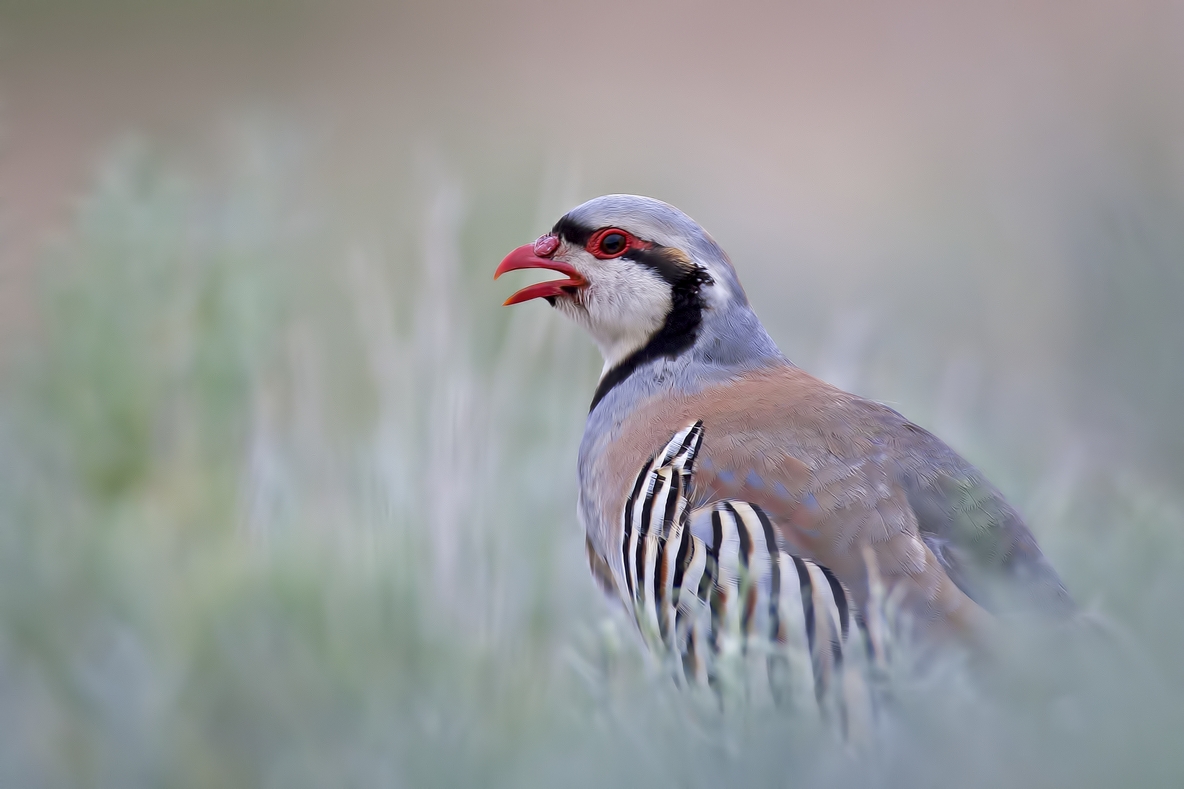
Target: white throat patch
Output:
[(622, 307)]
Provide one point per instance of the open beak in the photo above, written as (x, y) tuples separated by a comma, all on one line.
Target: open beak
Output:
[(525, 256)]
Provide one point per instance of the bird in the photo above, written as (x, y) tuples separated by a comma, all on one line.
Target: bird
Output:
[(815, 484)]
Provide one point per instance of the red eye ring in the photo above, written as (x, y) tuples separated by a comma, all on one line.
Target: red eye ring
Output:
[(604, 245)]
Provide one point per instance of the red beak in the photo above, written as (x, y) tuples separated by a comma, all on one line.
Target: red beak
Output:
[(525, 257)]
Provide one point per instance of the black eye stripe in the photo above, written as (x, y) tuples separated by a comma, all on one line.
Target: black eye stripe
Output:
[(572, 232), (665, 262)]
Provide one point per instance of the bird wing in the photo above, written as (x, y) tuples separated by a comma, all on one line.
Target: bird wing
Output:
[(978, 537), (845, 480)]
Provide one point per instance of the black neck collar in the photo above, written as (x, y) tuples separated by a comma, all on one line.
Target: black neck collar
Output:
[(678, 332)]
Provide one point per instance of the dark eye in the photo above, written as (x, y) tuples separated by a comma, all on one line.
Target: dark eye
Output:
[(613, 244), (609, 243)]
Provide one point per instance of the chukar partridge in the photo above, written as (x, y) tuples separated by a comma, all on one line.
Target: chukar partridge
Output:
[(714, 472)]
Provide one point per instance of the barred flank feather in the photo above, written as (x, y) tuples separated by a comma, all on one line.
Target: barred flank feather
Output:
[(712, 587)]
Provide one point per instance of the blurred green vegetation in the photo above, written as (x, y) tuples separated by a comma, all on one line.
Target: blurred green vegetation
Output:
[(282, 505)]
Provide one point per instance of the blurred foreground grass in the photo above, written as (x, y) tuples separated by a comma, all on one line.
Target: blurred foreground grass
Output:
[(280, 507)]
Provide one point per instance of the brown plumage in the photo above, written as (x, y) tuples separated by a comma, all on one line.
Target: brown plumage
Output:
[(835, 471)]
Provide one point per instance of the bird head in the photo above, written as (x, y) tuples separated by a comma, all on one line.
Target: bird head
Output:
[(639, 274)]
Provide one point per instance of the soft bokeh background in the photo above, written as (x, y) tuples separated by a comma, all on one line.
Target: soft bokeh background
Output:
[(286, 499)]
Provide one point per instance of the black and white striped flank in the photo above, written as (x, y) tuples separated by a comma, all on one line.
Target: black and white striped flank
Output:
[(712, 588)]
